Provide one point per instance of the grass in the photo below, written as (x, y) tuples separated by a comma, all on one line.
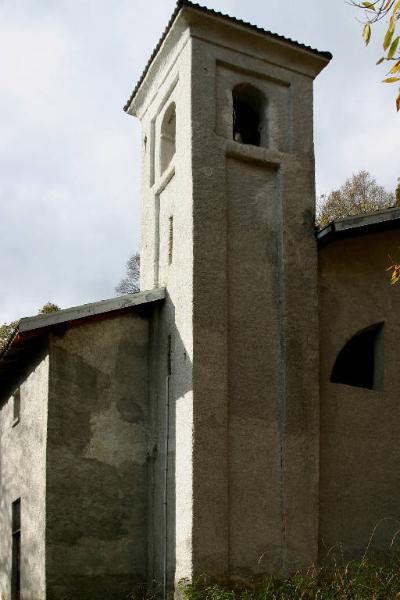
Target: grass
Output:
[(362, 580)]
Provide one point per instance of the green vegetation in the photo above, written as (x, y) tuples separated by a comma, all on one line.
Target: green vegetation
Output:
[(355, 581), (360, 194), (47, 308), (7, 329)]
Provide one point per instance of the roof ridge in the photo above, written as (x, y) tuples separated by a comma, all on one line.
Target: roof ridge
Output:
[(187, 3)]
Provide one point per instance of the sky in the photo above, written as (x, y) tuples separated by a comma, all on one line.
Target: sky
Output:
[(69, 155)]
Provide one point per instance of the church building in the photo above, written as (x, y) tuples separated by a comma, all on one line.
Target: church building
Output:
[(240, 415)]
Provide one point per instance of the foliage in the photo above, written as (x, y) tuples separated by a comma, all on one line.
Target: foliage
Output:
[(355, 581), (377, 11), (47, 308), (359, 194), (130, 283), (7, 329)]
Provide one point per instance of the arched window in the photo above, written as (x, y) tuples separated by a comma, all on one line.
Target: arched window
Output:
[(168, 135), (360, 361), (249, 108)]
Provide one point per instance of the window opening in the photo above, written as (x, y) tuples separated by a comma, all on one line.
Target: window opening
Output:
[(249, 106), (16, 550), (16, 406), (360, 362), (167, 137)]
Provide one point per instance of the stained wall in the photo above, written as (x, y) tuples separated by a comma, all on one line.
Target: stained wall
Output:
[(97, 455), (360, 428)]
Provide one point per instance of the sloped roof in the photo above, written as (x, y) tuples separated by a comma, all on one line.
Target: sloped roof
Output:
[(30, 331), (187, 4), (381, 220)]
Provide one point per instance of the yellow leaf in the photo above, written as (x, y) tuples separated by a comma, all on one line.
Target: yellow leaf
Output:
[(386, 4), (387, 39), (367, 33), (393, 47), (393, 22), (368, 5), (396, 6), (395, 276), (395, 68), (391, 80), (398, 101)]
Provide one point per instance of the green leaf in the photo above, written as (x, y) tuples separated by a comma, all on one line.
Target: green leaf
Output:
[(398, 101), (388, 38), (367, 33), (393, 47), (380, 60), (391, 79), (368, 5)]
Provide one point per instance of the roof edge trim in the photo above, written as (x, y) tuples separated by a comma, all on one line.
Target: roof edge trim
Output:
[(90, 310), (381, 220), (222, 16)]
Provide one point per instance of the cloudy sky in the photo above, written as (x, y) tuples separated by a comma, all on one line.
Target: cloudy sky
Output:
[(69, 155)]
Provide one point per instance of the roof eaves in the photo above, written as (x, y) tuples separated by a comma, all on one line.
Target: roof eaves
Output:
[(31, 331), (93, 309), (186, 3), (30, 326), (358, 225)]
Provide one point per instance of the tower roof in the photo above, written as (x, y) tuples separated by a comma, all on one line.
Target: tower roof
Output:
[(182, 4)]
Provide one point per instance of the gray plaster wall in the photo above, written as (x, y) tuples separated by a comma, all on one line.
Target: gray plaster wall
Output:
[(256, 402), (23, 475), (360, 428), (97, 458)]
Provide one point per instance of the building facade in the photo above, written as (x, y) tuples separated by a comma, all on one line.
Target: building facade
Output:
[(239, 415)]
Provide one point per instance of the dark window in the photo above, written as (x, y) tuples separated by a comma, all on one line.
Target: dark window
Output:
[(168, 135), (16, 406), (249, 104), (16, 551), (360, 362)]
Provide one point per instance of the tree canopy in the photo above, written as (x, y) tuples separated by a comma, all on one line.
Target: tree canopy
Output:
[(47, 308), (7, 329), (130, 283), (374, 12), (359, 194)]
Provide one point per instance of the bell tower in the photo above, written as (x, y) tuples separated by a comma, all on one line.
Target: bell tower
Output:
[(228, 197)]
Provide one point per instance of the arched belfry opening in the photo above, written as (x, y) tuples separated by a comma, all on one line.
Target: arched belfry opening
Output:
[(360, 361), (168, 137), (249, 115)]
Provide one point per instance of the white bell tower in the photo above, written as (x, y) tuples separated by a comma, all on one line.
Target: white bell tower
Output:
[(228, 228)]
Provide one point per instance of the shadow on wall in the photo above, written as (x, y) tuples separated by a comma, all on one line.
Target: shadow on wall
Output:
[(22, 476), (172, 366)]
